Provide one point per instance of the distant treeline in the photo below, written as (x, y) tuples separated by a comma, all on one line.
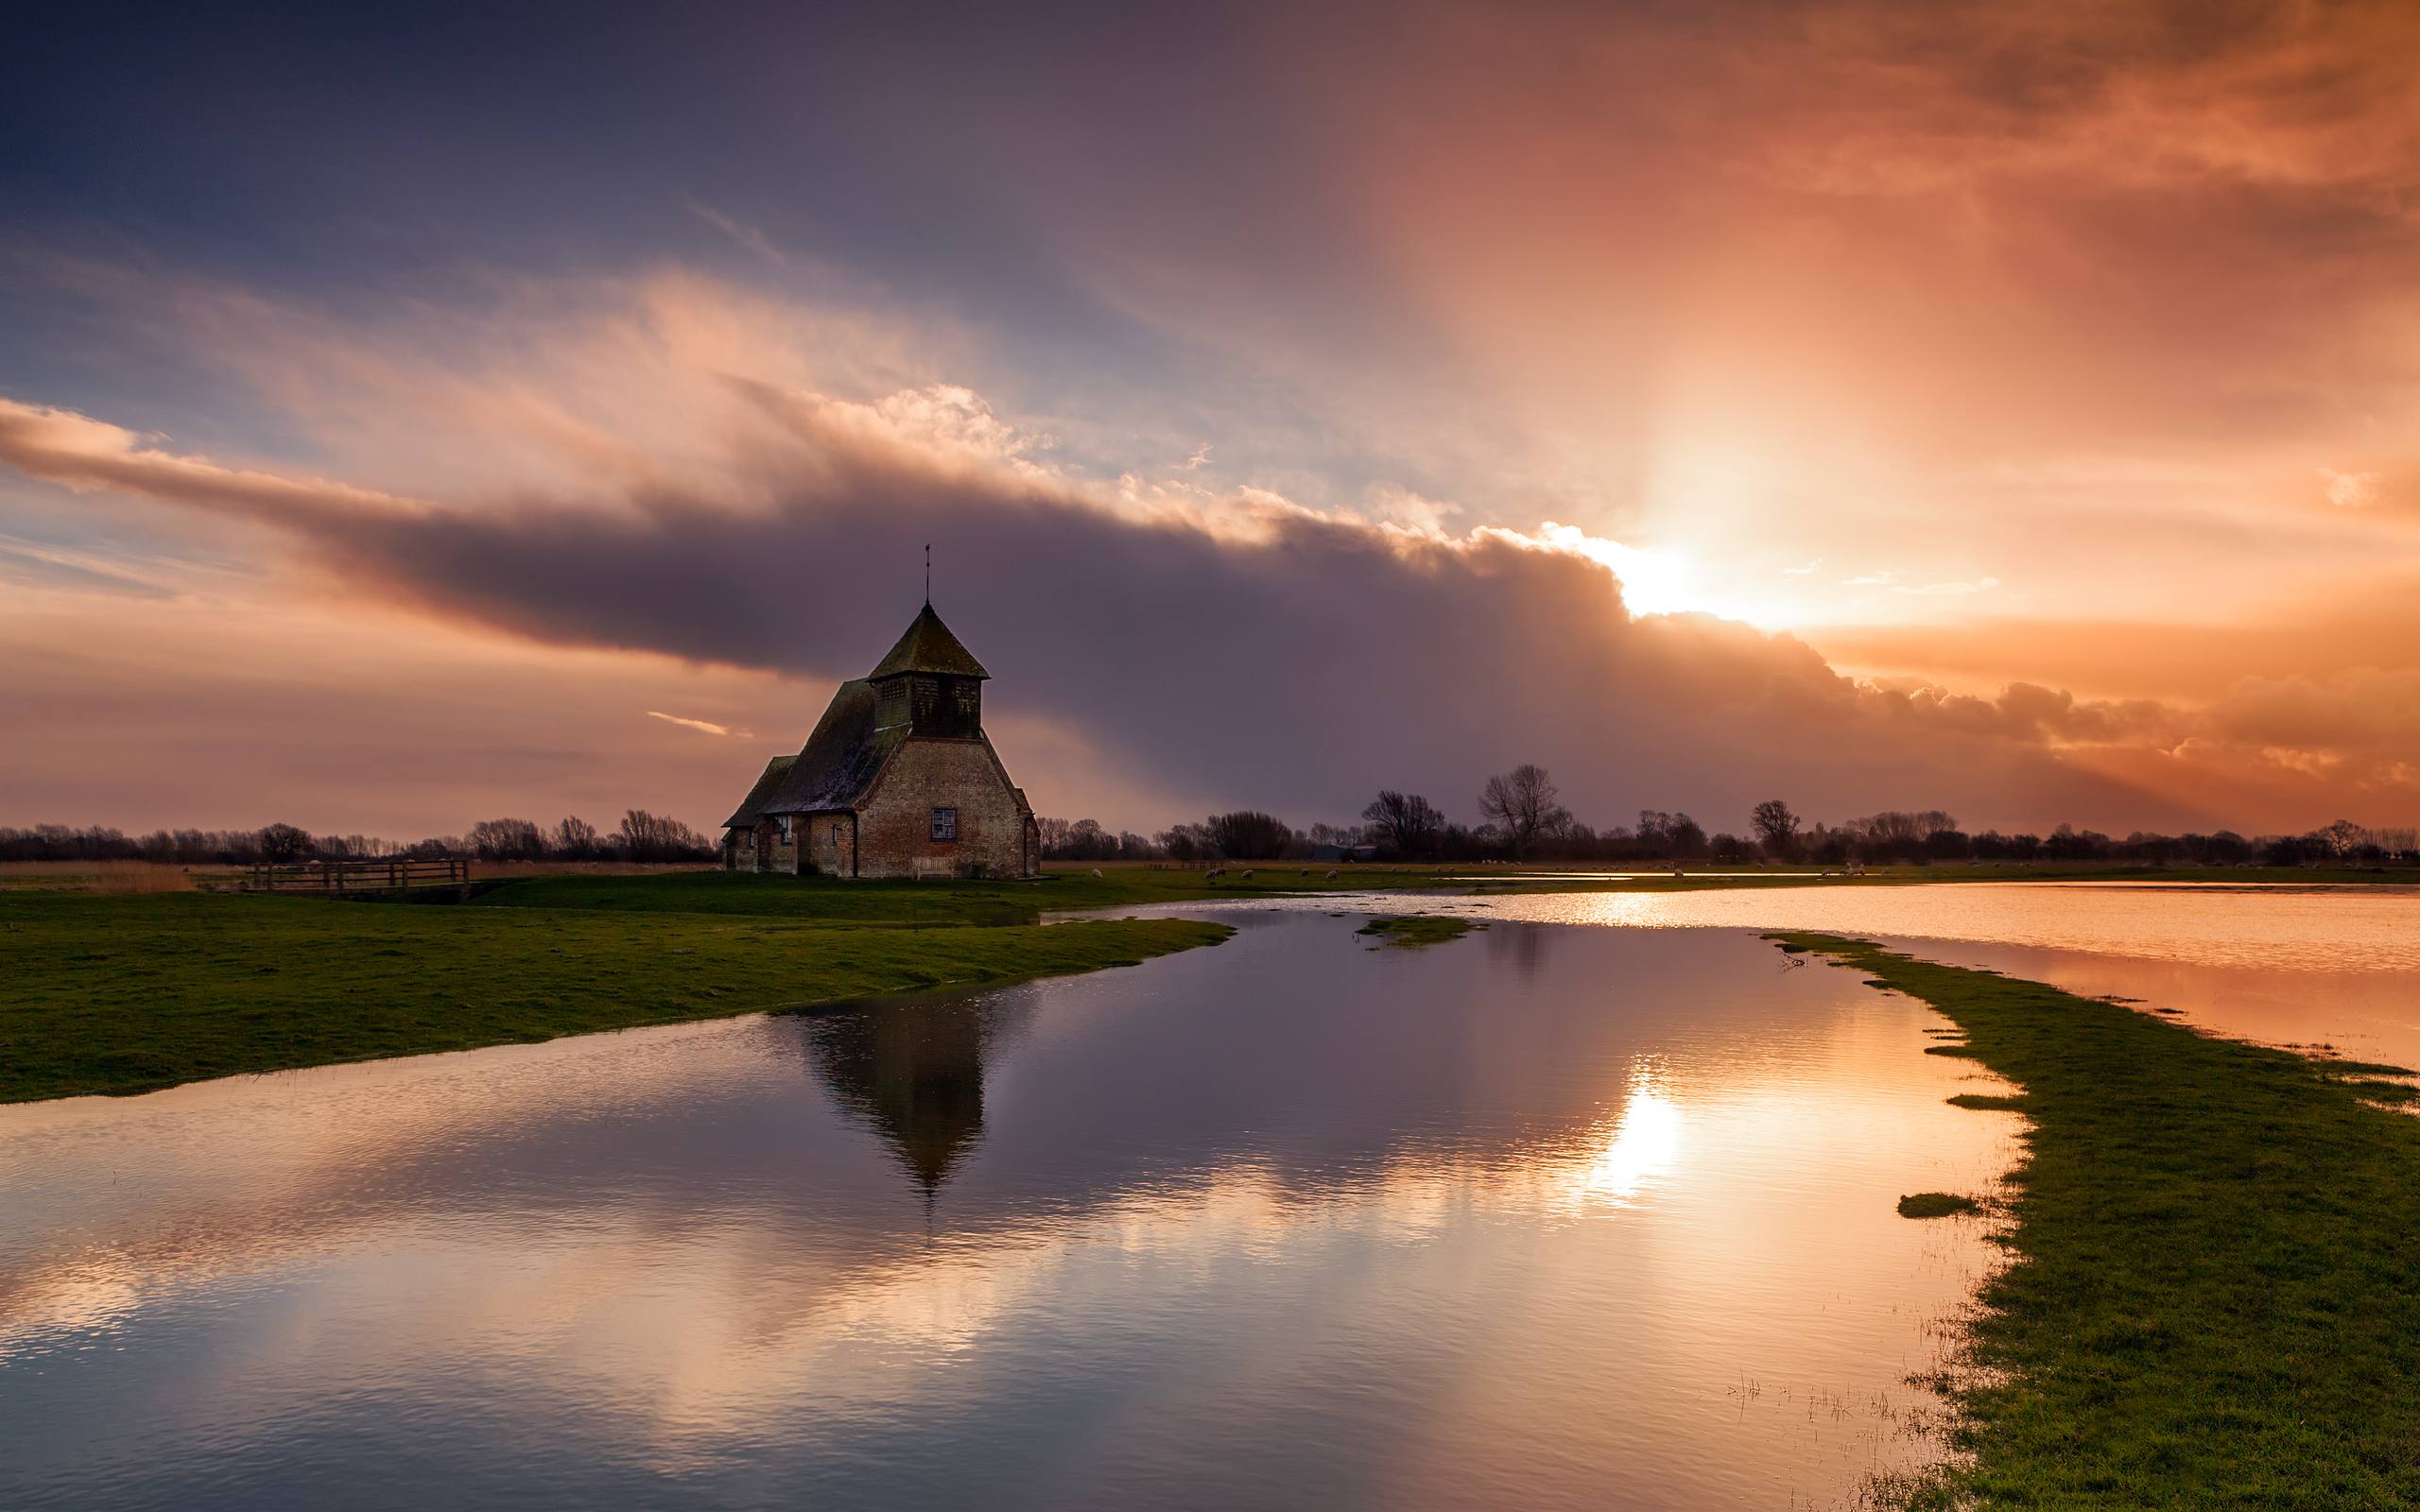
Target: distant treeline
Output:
[(1524, 819), (640, 836)]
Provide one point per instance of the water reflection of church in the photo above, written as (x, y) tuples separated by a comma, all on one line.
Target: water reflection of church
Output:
[(913, 1072)]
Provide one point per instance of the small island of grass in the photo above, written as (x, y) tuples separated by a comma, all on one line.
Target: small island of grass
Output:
[(1417, 931), (1936, 1205)]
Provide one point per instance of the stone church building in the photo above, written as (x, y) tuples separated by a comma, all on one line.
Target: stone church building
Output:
[(898, 780)]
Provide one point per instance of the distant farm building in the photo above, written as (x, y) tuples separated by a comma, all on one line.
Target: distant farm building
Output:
[(898, 780), (1326, 851)]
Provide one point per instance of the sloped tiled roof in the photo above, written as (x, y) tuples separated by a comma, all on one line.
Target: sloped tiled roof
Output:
[(928, 646), (774, 771), (840, 757)]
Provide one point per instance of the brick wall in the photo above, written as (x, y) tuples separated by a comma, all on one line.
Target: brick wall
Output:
[(830, 841), (895, 821), (772, 853)]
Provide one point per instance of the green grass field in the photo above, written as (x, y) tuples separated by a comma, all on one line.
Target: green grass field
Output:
[(125, 994), (893, 904), (2212, 1297)]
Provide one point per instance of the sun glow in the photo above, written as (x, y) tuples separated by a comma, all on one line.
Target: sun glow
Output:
[(1661, 579)]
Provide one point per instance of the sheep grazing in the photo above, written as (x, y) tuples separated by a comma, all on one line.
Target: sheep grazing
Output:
[(1331, 874), (1095, 874), (1247, 873)]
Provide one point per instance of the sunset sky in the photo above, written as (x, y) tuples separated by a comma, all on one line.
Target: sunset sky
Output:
[(418, 418)]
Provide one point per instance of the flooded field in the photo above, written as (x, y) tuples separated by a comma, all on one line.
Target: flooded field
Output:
[(1545, 1217), (2307, 967)]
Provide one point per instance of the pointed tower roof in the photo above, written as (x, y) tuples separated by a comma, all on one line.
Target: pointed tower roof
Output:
[(928, 646)]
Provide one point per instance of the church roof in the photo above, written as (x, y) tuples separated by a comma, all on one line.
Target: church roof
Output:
[(928, 646), (845, 754), (841, 759), (774, 771)]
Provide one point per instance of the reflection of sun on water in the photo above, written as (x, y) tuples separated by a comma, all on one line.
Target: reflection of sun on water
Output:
[(1645, 1144)]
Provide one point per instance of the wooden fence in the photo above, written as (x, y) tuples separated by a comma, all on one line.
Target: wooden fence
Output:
[(330, 878)]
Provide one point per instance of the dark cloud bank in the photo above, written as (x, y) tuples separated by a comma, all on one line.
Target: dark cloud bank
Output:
[(1298, 666)]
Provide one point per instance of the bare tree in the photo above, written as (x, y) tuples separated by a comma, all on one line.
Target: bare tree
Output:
[(506, 840), (574, 837), (1895, 834), (1523, 803), (1404, 823), (1776, 827), (284, 842), (2341, 839), (650, 837), (1186, 842), (1248, 835)]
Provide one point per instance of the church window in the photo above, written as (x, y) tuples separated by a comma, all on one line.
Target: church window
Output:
[(944, 824)]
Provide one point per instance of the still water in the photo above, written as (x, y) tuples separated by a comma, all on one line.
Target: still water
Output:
[(2309, 967), (1545, 1217)]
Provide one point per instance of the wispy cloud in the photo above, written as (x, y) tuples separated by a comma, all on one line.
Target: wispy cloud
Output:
[(34, 564), (1955, 589), (705, 726), (746, 235), (2350, 490)]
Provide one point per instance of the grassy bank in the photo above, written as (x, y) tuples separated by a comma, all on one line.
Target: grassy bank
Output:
[(833, 900), (2214, 1294), (125, 994)]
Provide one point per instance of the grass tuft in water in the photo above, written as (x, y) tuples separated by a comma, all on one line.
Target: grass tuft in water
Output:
[(1417, 932), (1936, 1205), (1987, 1102)]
